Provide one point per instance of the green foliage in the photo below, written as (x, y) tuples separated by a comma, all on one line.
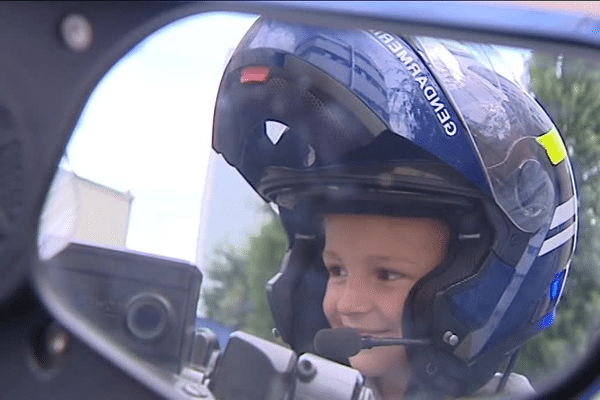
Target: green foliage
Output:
[(240, 300), (228, 301), (264, 260), (569, 89)]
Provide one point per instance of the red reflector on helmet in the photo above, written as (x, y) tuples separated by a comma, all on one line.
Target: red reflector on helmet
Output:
[(255, 75)]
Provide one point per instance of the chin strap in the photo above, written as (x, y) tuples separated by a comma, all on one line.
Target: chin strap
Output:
[(511, 364), (417, 391)]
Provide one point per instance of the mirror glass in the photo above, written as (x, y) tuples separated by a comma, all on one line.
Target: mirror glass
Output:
[(148, 234)]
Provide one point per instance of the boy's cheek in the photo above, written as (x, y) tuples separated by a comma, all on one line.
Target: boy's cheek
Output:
[(329, 308)]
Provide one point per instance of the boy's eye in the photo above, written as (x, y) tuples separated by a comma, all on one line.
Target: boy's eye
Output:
[(336, 270), (388, 275)]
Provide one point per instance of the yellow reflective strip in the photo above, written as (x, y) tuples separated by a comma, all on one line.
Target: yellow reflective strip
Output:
[(555, 148)]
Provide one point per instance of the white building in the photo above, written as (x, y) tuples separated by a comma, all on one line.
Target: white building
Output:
[(82, 210)]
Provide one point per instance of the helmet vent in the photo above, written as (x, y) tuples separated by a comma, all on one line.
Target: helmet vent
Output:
[(274, 130)]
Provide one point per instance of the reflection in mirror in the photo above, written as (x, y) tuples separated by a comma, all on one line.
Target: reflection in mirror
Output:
[(165, 263), (120, 229)]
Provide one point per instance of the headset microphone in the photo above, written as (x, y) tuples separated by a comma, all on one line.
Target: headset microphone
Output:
[(341, 343)]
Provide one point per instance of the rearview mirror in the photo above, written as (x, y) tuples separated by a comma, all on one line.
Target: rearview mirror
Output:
[(141, 309)]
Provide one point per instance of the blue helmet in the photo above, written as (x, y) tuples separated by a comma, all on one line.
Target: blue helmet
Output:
[(319, 119)]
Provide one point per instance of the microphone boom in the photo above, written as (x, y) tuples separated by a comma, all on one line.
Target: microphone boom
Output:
[(341, 343), (369, 342)]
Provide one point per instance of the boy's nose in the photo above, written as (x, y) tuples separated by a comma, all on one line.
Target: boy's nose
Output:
[(355, 298)]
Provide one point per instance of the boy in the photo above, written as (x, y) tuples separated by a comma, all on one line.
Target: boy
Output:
[(425, 195)]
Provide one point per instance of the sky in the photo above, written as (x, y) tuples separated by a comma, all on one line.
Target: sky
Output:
[(146, 129)]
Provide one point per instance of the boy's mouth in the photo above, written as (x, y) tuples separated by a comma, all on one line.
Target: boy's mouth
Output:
[(370, 332)]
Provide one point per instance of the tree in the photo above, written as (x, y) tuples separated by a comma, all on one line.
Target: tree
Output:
[(569, 89), (264, 261), (227, 300), (238, 299)]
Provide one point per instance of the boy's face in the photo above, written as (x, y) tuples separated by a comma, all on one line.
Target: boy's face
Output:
[(373, 262)]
